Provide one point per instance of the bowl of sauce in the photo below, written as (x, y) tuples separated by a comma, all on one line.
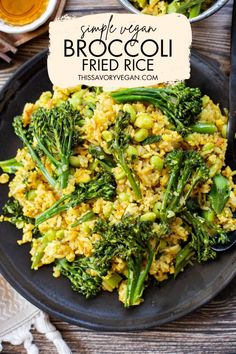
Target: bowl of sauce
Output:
[(20, 16)]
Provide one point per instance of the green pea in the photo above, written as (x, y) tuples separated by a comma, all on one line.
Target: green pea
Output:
[(156, 209), (74, 161), (224, 131), (106, 135), (208, 215), (157, 163), (140, 135), (130, 109), (150, 216), (76, 99), (132, 151), (31, 195), (144, 121)]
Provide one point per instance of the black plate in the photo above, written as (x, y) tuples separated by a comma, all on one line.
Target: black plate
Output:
[(162, 304)]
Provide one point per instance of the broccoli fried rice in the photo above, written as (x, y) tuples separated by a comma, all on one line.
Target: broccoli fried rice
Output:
[(71, 240)]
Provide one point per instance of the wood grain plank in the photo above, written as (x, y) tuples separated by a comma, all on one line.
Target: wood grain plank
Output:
[(210, 329)]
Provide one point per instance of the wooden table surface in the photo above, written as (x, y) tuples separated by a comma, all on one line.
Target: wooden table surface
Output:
[(210, 329)]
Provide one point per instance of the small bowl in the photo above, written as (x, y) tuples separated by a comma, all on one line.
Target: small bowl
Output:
[(4, 27), (210, 11)]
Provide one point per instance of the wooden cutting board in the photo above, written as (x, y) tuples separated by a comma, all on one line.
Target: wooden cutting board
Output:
[(11, 42)]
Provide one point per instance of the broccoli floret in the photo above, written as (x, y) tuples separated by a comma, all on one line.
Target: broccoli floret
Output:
[(118, 144), (203, 236), (187, 170), (27, 140), (102, 186), (105, 160), (52, 133), (181, 104), (12, 210), (79, 274), (131, 240), (10, 166)]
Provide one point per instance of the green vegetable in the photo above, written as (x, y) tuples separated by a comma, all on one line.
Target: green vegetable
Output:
[(186, 167), (195, 11), (105, 160), (179, 103), (130, 109), (111, 282), (78, 274), (157, 163), (118, 145), (129, 240), (10, 166), (74, 161), (219, 193), (132, 151), (202, 235), (202, 238), (102, 186), (152, 139), (56, 132), (141, 135), (13, 211), (31, 195), (204, 128), (183, 6), (150, 216), (144, 120), (106, 135), (43, 242), (208, 215), (86, 217)]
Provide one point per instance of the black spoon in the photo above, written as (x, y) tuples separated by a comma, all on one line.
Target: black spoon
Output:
[(231, 152)]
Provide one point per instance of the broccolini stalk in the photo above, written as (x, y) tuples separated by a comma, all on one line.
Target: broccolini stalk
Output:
[(118, 144), (137, 276), (183, 258), (102, 186), (187, 169), (27, 140), (10, 166), (202, 236), (56, 133), (105, 160), (86, 217), (12, 210), (179, 103)]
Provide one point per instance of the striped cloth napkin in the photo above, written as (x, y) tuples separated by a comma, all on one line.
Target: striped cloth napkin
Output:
[(18, 317)]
